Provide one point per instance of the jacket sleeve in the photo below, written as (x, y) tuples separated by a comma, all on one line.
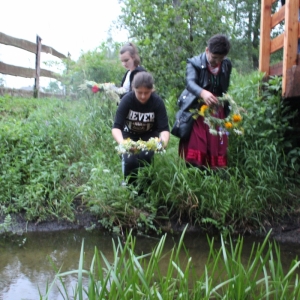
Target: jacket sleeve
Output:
[(192, 76)]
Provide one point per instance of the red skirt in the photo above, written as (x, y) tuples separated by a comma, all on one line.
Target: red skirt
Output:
[(203, 148)]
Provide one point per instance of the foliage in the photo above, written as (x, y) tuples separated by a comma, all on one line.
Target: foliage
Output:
[(54, 87), (99, 65), (224, 276), (5, 226), (58, 154), (131, 147), (260, 184), (268, 125), (169, 32), (45, 148), (229, 125), (182, 33)]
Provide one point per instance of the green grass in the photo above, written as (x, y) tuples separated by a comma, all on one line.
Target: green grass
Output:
[(225, 275), (58, 154)]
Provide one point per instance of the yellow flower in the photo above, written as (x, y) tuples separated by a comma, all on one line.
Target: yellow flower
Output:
[(228, 125), (236, 118), (202, 110)]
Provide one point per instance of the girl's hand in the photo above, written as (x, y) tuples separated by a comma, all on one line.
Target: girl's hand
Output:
[(208, 97)]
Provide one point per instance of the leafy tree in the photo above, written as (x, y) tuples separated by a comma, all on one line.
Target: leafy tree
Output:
[(245, 24), (54, 87), (168, 32), (100, 65)]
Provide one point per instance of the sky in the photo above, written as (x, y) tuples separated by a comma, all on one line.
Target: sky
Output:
[(65, 25)]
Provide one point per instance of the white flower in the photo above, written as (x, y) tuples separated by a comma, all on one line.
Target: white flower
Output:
[(239, 132), (213, 131), (128, 146)]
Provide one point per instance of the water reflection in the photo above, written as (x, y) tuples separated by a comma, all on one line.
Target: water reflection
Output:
[(25, 270)]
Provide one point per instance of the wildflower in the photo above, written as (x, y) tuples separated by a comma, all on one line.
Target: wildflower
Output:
[(231, 124), (202, 110), (238, 132), (213, 131), (129, 146), (95, 89), (228, 125), (236, 118)]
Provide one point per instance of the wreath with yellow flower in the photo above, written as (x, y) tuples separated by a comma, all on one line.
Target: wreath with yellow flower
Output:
[(131, 147), (109, 88), (231, 124)]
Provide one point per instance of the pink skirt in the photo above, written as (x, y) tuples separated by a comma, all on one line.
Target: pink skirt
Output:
[(203, 148)]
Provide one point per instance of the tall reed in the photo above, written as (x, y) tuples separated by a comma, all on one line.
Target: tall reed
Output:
[(225, 276)]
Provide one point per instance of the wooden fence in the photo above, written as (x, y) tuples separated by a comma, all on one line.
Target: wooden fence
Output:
[(36, 48), (289, 67)]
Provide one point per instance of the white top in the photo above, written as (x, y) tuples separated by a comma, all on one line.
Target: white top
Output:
[(126, 84)]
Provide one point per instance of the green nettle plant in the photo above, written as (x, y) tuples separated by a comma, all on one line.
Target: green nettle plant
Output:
[(224, 276)]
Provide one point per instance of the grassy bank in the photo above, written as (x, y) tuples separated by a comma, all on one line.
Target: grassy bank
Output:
[(58, 154)]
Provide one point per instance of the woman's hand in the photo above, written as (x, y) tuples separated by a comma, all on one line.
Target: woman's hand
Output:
[(164, 137), (208, 97), (117, 135)]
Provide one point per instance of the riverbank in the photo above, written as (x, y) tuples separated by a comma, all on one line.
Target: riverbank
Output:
[(285, 232)]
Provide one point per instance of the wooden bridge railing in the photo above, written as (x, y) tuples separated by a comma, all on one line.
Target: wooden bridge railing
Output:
[(27, 72), (289, 68)]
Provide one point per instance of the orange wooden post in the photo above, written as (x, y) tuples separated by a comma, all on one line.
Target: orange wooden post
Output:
[(265, 36), (290, 44)]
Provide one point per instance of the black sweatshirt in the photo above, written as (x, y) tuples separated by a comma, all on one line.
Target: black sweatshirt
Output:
[(141, 121)]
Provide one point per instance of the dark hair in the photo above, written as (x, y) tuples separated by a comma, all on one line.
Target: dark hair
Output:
[(143, 79), (218, 44), (133, 52)]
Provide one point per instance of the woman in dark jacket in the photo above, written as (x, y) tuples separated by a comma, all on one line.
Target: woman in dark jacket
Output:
[(208, 77)]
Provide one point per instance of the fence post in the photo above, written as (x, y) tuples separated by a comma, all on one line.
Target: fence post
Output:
[(67, 85), (36, 92), (265, 40)]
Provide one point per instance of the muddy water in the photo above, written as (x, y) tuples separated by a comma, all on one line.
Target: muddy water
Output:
[(25, 268)]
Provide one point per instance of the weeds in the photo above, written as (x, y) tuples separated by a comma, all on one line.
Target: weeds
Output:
[(225, 275), (56, 152)]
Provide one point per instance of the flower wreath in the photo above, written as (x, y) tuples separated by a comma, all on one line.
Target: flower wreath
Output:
[(232, 123), (131, 147), (109, 88)]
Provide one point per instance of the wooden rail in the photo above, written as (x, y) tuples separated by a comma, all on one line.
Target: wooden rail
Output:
[(289, 68), (35, 48)]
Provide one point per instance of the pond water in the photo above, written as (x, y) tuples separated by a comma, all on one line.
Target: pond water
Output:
[(25, 268)]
